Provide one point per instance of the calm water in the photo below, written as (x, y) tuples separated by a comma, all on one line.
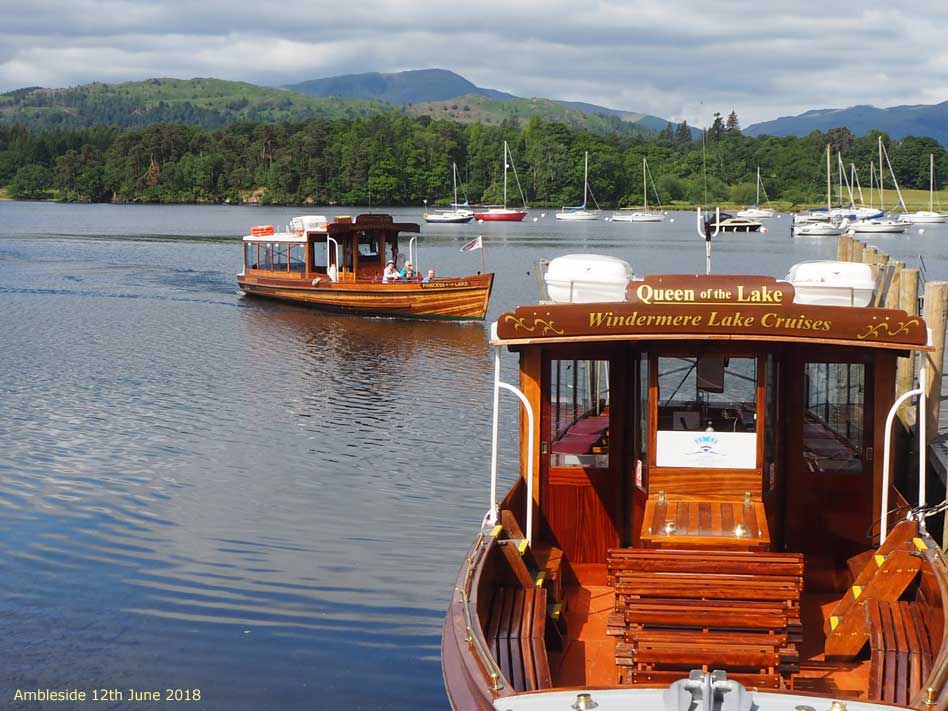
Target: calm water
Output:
[(269, 504)]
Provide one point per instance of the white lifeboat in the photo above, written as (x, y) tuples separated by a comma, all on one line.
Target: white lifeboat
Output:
[(827, 283), (587, 278)]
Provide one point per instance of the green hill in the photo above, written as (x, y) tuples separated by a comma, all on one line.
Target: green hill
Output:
[(475, 108), (206, 103)]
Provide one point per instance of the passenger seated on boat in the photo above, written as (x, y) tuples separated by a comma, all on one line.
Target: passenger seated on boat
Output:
[(408, 272), (391, 273), (431, 275)]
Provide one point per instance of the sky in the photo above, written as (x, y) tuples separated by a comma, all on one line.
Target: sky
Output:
[(675, 59)]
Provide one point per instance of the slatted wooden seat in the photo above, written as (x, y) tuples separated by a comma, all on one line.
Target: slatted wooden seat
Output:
[(901, 650), (516, 629), (679, 609)]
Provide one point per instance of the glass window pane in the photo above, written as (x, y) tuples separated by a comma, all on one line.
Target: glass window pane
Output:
[(707, 412), (280, 250), (834, 413), (579, 413), (297, 257)]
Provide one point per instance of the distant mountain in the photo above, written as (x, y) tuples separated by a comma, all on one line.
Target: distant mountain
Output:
[(208, 103), (215, 103), (399, 88), (897, 121), (475, 108), (425, 89)]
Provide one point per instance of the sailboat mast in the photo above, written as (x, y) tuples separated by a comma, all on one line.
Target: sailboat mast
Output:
[(585, 180), (454, 176), (644, 189), (931, 182), (829, 188), (505, 174), (757, 202), (881, 176)]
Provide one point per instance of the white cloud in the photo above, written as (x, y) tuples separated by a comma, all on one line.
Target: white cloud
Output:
[(671, 58)]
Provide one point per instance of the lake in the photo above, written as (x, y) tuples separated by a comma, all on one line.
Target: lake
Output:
[(204, 491)]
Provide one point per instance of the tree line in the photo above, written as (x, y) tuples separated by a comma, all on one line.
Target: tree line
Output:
[(393, 159)]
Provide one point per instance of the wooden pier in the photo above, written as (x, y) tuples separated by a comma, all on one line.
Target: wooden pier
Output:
[(931, 302)]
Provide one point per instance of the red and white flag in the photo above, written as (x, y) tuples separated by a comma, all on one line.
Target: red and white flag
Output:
[(473, 244)]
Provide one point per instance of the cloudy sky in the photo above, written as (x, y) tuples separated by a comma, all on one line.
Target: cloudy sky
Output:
[(672, 58)]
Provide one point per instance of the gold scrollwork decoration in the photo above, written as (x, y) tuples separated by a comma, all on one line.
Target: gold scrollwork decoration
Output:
[(521, 323), (884, 329)]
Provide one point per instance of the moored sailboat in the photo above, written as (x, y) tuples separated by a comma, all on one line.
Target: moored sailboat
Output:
[(928, 216), (460, 212), (643, 215), (579, 212), (756, 212), (504, 213)]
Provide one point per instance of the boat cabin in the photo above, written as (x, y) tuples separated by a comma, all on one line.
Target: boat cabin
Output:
[(704, 485), (314, 248)]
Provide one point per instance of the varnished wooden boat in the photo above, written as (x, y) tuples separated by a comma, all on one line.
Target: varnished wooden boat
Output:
[(339, 266), (701, 460)]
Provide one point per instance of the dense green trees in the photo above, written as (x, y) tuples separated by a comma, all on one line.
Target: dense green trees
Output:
[(397, 159)]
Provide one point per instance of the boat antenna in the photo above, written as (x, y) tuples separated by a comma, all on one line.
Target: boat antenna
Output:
[(704, 231)]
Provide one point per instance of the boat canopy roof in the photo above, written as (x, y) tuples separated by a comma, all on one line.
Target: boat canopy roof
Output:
[(371, 222), (696, 307)]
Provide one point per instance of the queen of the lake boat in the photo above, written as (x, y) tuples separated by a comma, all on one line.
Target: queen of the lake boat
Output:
[(705, 516)]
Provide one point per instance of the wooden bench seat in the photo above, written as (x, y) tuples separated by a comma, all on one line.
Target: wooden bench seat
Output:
[(687, 561), (515, 633), (901, 650), (710, 586), (712, 614), (678, 609)]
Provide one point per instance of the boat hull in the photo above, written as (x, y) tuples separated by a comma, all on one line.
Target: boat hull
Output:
[(576, 216), (463, 298), (501, 216), (448, 219), (889, 227), (924, 217), (639, 217)]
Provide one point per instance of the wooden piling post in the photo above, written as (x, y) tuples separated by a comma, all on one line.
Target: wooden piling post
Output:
[(842, 248), (905, 377), (936, 315), (893, 296), (857, 251)]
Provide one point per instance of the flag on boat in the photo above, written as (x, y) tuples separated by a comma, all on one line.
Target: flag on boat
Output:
[(473, 244)]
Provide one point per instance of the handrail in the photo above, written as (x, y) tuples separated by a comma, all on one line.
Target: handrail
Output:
[(328, 261), (497, 677), (412, 255), (920, 419), (493, 512), (704, 234)]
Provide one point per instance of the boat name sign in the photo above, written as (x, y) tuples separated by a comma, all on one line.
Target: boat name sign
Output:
[(711, 290), (797, 321)]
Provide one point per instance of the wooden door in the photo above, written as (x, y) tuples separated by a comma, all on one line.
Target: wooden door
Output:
[(581, 456), (830, 460)]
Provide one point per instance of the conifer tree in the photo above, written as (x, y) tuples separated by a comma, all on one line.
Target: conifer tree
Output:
[(732, 126)]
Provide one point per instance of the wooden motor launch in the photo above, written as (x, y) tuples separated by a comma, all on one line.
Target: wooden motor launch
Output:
[(339, 265), (705, 514)]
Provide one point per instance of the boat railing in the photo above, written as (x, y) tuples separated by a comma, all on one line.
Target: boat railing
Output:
[(472, 630), (329, 262), (412, 256), (494, 509), (705, 233), (887, 445)]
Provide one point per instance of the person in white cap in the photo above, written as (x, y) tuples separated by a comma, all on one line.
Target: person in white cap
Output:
[(391, 273)]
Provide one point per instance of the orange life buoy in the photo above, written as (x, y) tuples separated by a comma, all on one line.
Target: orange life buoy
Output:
[(261, 230)]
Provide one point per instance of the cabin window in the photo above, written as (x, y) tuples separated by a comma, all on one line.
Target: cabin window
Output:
[(265, 253), (297, 257), (280, 256), (250, 255), (318, 257), (368, 248), (834, 414), (771, 378), (579, 413), (707, 412), (641, 473)]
